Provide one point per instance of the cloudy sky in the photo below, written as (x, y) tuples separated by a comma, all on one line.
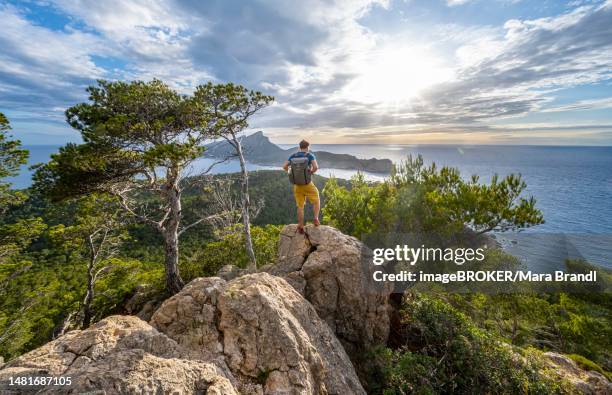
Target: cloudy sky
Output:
[(342, 71)]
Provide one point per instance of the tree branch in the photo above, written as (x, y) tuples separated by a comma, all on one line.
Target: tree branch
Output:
[(199, 221), (209, 168), (124, 204)]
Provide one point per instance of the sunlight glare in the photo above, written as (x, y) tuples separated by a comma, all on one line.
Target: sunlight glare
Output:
[(396, 75)]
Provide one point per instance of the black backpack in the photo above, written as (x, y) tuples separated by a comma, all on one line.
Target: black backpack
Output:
[(299, 173)]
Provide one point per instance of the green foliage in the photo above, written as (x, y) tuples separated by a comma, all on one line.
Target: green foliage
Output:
[(572, 320), (355, 210), (93, 236), (451, 346), (444, 352), (92, 215), (15, 237), (115, 288), (399, 372), (134, 128), (230, 105), (139, 137), (228, 248), (78, 170), (275, 191), (40, 301), (91, 218), (583, 327), (12, 156), (43, 284), (129, 129), (427, 199), (32, 304)]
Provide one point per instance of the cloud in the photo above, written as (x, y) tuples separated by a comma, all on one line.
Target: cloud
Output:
[(310, 55), (523, 67), (582, 105), (152, 36), (291, 50), (453, 3), (42, 68), (532, 59), (300, 52), (501, 73)]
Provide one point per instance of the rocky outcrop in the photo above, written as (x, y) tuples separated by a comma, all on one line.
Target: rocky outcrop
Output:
[(268, 335), (118, 355), (252, 335), (281, 331), (243, 333), (585, 381), (333, 272)]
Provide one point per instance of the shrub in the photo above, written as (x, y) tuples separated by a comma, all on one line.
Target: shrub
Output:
[(419, 198), (587, 364), (444, 352), (228, 248)]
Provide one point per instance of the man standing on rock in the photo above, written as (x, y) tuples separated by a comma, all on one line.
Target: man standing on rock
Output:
[(301, 165)]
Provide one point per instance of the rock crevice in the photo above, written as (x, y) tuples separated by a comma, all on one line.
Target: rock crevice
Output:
[(333, 272)]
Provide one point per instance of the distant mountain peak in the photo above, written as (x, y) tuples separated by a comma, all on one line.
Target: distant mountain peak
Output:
[(259, 149), (258, 137)]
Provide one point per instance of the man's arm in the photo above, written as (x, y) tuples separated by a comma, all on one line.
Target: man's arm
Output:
[(286, 166), (314, 166)]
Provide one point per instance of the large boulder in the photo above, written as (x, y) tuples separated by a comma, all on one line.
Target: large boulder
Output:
[(252, 335), (118, 355), (333, 272), (268, 335)]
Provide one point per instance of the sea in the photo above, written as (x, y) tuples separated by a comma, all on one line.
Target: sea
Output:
[(572, 186)]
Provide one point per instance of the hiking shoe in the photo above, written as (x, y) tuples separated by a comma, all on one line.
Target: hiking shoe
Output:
[(300, 230), (316, 222)]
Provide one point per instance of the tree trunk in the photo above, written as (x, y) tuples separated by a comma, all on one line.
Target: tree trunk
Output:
[(89, 295), (174, 282), (246, 204)]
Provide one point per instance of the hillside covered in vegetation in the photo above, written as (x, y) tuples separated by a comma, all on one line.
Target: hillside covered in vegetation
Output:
[(103, 232)]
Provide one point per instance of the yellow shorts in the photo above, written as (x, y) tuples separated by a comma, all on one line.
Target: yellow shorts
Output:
[(302, 192)]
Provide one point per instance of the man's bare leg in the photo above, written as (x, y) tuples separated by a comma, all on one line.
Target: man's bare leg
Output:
[(300, 213), (316, 208)]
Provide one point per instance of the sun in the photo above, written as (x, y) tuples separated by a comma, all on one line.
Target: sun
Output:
[(396, 74)]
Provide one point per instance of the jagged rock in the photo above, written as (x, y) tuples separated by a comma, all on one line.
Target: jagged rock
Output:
[(264, 330), (586, 381), (118, 355), (252, 335), (334, 273)]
